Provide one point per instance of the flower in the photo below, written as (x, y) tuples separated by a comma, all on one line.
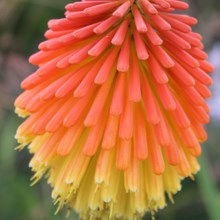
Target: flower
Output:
[(117, 106)]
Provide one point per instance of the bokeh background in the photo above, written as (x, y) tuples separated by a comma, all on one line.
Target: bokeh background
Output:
[(22, 24)]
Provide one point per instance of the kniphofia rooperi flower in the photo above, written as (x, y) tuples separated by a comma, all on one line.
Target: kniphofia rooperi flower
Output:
[(116, 109)]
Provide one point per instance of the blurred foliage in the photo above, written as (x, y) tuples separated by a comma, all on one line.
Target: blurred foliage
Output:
[(22, 24)]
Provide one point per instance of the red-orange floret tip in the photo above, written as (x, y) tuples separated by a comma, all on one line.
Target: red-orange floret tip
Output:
[(117, 106)]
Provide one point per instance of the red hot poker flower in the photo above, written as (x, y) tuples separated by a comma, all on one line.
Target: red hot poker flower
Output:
[(117, 106)]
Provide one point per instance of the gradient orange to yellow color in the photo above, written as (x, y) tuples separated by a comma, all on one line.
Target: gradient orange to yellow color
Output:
[(115, 111)]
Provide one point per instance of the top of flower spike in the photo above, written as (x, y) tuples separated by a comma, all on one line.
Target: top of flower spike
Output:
[(93, 9)]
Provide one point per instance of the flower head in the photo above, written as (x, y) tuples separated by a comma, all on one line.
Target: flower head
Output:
[(115, 111)]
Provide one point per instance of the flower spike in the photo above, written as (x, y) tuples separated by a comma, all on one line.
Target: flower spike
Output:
[(115, 111)]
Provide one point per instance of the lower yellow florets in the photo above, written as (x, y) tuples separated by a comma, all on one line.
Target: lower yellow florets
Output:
[(96, 189)]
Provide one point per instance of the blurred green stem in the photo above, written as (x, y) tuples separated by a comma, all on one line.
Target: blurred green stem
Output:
[(208, 189)]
